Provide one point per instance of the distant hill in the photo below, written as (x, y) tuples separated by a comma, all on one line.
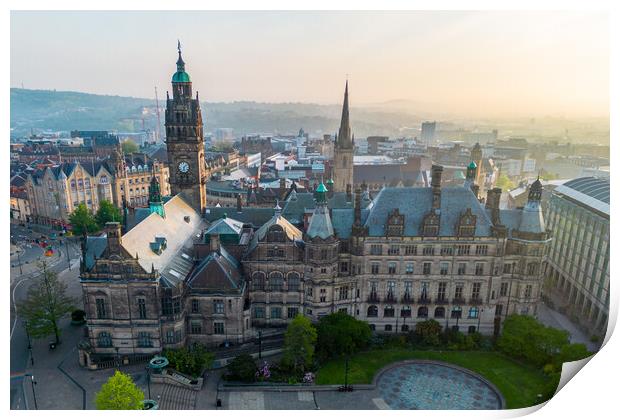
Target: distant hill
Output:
[(65, 111)]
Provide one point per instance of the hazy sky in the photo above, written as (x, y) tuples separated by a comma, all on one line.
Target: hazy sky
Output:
[(477, 63)]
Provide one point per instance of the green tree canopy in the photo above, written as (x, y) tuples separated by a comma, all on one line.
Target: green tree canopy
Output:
[(129, 146), (505, 183), (119, 393), (190, 360), (45, 304), (428, 332), (299, 342), (83, 221), (340, 334), (242, 368), (108, 212), (523, 337)]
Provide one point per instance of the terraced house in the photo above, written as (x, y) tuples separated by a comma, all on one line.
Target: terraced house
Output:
[(187, 273)]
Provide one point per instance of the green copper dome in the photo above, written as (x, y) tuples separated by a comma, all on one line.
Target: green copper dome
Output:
[(180, 77), (321, 188), (472, 165), (330, 181)]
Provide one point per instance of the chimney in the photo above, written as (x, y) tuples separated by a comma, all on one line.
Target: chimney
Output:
[(282, 188), (492, 203), (358, 207), (349, 195), (113, 231), (436, 171), (238, 203), (214, 243)]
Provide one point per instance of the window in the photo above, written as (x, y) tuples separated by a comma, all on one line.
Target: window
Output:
[(506, 268), (447, 250), (462, 249), (498, 310), (388, 312), (372, 312), (258, 281), (344, 267), (407, 295), (276, 281), (532, 269), (391, 268), (104, 339), (170, 337), (444, 268), (422, 312), (291, 312), (343, 310), (424, 292), (394, 250), (293, 282), (456, 312), (259, 312), (503, 290), (142, 308), (196, 327), (475, 291), (462, 269), (144, 339), (479, 269), (101, 311), (218, 306), (440, 312), (374, 268), (276, 312), (428, 250), (405, 312), (426, 268), (482, 249), (411, 249), (409, 268), (376, 249), (324, 254), (441, 291), (388, 327), (528, 291), (218, 328), (195, 306), (343, 293), (458, 291), (473, 312), (309, 292)]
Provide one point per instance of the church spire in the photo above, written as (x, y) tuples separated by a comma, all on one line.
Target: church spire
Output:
[(344, 134)]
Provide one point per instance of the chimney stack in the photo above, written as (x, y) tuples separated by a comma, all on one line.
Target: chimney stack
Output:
[(238, 203), (113, 232), (282, 188), (492, 203), (358, 207), (436, 171)]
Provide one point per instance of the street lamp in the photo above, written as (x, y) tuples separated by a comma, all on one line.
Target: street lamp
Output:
[(29, 347), (118, 365), (34, 394), (19, 261), (479, 316), (260, 344), (148, 380)]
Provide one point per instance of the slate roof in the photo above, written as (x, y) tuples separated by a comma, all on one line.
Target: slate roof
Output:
[(320, 223), (416, 202), (219, 272), (255, 216), (95, 245), (225, 226), (292, 233)]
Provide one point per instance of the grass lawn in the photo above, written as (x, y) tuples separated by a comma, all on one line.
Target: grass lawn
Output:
[(519, 384)]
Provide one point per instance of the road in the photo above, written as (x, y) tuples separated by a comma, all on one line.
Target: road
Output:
[(29, 257)]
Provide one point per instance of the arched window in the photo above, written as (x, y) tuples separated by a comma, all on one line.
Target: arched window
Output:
[(258, 281), (456, 312), (104, 339), (293, 282), (276, 281), (440, 312), (422, 312), (473, 312), (388, 312), (373, 312)]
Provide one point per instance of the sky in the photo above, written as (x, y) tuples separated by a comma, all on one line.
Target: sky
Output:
[(470, 63)]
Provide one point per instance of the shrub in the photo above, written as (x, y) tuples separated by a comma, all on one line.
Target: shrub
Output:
[(78, 315), (190, 360), (242, 368), (428, 332), (570, 353)]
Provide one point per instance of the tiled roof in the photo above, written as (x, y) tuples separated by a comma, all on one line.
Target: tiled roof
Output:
[(95, 245), (219, 272)]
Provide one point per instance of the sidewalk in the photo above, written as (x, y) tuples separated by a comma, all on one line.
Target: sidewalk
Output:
[(555, 319)]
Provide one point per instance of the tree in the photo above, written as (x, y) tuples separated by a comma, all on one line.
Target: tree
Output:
[(340, 334), (45, 304), (570, 353), (428, 332), (242, 368), (129, 146), (299, 342), (108, 212), (119, 393), (504, 182), (523, 337), (83, 221), (190, 360)]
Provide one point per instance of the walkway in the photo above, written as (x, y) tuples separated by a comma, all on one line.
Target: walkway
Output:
[(554, 319)]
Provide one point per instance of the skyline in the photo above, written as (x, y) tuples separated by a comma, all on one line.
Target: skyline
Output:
[(556, 63)]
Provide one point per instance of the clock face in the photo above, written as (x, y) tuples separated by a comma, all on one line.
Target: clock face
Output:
[(183, 167)]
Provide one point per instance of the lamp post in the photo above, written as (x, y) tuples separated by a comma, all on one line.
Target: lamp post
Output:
[(34, 394), (479, 316), (118, 365), (260, 344), (29, 347), (68, 257), (19, 262), (148, 380)]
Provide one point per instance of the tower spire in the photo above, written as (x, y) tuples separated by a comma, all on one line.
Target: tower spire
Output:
[(180, 62), (344, 134)]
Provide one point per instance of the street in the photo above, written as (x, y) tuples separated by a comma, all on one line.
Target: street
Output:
[(29, 255)]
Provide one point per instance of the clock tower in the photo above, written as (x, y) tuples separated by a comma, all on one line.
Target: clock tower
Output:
[(184, 140)]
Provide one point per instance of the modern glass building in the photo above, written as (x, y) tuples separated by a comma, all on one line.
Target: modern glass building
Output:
[(578, 260)]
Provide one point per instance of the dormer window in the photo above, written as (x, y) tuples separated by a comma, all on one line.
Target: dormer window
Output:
[(467, 224), (430, 225), (395, 223)]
